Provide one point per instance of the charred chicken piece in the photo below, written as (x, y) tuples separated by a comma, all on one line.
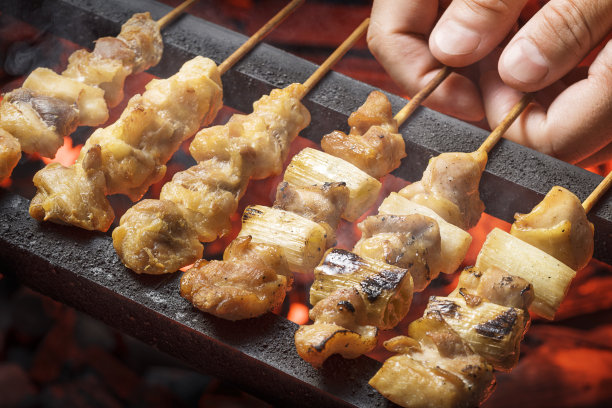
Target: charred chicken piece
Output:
[(558, 225), (10, 153), (251, 280), (450, 187), (352, 298), (321, 204), (434, 368), (73, 195), (339, 328), (373, 144), (411, 242)]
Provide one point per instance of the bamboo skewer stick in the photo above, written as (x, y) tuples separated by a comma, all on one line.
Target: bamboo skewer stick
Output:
[(258, 36), (163, 22), (335, 56), (498, 132), (417, 99), (599, 191)]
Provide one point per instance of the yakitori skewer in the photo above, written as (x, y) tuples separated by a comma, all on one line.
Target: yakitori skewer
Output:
[(414, 243), (318, 189), (452, 350), (196, 205), (48, 107), (131, 154)]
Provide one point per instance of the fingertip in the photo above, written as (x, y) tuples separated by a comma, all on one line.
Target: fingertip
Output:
[(523, 66), (458, 96)]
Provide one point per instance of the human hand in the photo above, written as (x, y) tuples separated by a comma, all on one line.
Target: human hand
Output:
[(572, 119)]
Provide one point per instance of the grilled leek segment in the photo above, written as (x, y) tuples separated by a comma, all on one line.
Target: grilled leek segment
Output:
[(310, 167), (550, 277), (301, 241), (386, 290)]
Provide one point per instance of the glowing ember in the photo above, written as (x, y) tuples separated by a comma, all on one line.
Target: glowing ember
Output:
[(298, 313), (66, 155)]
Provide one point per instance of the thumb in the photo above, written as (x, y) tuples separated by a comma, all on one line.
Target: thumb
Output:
[(553, 42)]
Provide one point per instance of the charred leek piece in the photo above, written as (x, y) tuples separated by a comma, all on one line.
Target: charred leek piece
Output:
[(454, 241), (550, 277), (491, 330), (385, 289), (300, 239), (312, 166)]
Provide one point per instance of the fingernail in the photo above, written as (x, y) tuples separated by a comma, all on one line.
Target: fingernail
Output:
[(455, 39), (524, 61)]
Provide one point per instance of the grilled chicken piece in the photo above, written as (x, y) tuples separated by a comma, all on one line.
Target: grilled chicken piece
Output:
[(321, 204), (37, 121), (208, 193), (411, 242), (142, 230), (10, 153), (373, 144), (494, 285), (450, 187), (339, 328), (251, 280), (134, 150), (434, 368), (138, 47), (352, 298), (262, 137), (558, 225), (73, 195)]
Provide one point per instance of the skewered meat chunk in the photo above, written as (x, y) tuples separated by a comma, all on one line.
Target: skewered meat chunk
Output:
[(263, 136), (434, 368), (73, 195), (411, 242), (549, 277), (373, 144), (250, 281), (208, 193), (141, 230), (88, 99), (450, 187), (322, 204), (352, 298), (338, 329), (558, 225), (37, 121), (494, 285), (10, 153), (138, 47), (134, 150), (454, 242)]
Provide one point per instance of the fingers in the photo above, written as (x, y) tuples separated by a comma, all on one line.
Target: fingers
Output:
[(553, 42), (470, 29), (575, 127), (397, 38)]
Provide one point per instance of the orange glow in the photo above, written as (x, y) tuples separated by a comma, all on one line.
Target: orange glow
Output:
[(298, 313), (66, 155)]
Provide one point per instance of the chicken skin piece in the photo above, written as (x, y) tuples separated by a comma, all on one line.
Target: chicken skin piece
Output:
[(558, 225), (450, 187), (373, 144), (250, 281)]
